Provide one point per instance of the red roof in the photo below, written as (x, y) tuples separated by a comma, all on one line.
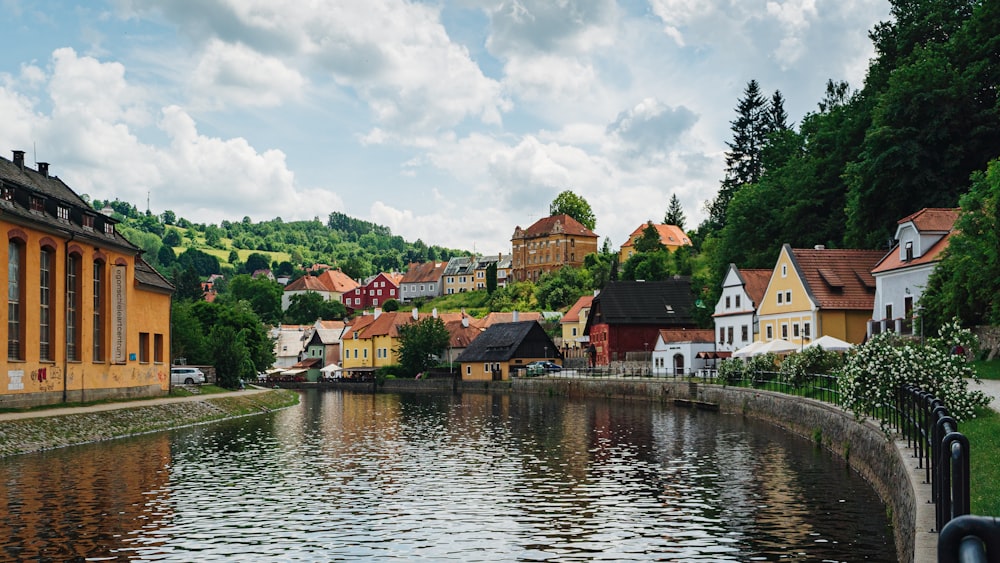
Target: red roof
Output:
[(573, 315), (670, 235), (422, 272), (755, 283), (306, 283), (556, 224), (933, 219), (336, 281), (500, 318), (838, 278), (698, 335)]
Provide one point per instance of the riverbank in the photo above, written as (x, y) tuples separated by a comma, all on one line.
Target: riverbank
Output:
[(21, 432)]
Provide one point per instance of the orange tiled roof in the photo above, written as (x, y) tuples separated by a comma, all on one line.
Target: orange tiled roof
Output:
[(461, 336), (670, 235), (893, 262), (422, 272), (573, 315), (500, 318), (358, 325), (547, 226), (336, 281), (755, 283), (933, 219), (306, 283), (699, 335), (838, 278)]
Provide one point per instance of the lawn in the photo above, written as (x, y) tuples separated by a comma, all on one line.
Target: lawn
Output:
[(987, 369), (983, 433)]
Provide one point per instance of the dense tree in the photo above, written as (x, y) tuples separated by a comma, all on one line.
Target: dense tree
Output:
[(261, 294), (598, 266), (203, 263), (561, 288), (187, 335), (230, 356), (491, 278), (172, 237), (166, 257), (421, 344), (575, 206), (649, 240), (390, 305), (516, 296), (256, 261), (187, 284), (966, 283), (776, 118), (168, 217), (306, 308), (675, 213), (649, 266)]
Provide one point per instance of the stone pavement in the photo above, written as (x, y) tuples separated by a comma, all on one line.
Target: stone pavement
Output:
[(991, 388), (39, 413)]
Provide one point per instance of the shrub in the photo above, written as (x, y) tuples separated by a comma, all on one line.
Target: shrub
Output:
[(797, 369), (875, 370)]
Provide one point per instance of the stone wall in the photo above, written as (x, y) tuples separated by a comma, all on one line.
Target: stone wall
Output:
[(989, 340), (862, 444)]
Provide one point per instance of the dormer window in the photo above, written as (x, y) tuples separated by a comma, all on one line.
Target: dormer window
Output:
[(109, 229), (62, 213), (88, 222), (37, 205), (8, 193), (908, 249)]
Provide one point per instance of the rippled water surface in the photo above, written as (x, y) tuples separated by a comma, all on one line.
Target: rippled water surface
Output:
[(472, 477)]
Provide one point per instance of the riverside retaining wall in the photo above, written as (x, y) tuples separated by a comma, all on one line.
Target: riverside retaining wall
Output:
[(862, 444)]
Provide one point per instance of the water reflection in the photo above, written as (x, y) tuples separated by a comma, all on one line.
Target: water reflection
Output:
[(446, 478)]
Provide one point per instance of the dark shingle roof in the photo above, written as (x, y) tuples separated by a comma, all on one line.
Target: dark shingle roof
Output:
[(146, 275), (668, 303), (500, 342)]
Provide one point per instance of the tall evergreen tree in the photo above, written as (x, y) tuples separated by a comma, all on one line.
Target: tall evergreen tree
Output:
[(675, 213), (743, 160), (777, 117)]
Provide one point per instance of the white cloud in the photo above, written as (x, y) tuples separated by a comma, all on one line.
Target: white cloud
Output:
[(230, 74)]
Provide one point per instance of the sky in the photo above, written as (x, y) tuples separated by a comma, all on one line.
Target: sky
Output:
[(448, 121)]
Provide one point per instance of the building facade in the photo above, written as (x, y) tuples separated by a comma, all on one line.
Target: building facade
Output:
[(735, 314), (549, 244), (86, 317)]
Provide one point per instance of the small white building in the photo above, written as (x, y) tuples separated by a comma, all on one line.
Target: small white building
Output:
[(681, 351), (901, 276), (736, 312)]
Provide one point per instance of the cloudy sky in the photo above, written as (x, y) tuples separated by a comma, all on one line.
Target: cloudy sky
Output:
[(452, 121)]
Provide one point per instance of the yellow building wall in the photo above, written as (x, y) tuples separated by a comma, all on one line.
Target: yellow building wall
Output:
[(361, 346), (476, 371), (34, 381), (850, 326), (784, 281), (389, 344)]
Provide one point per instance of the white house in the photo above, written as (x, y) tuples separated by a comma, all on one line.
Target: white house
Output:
[(901, 276), (736, 312), (681, 351)]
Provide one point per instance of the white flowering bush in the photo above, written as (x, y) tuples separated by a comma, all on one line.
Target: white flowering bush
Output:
[(798, 368), (762, 367), (730, 371), (876, 369)]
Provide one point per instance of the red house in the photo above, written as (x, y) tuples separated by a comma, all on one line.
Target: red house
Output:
[(374, 293), (627, 316)]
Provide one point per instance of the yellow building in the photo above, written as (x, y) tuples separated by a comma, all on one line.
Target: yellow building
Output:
[(549, 244), (574, 323), (671, 236), (818, 292), (86, 317), (504, 350)]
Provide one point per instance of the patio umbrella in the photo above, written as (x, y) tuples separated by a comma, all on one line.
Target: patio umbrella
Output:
[(778, 346), (331, 368), (830, 343), (748, 350)]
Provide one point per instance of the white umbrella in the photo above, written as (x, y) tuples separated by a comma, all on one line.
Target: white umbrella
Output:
[(748, 350), (830, 343), (778, 346), (331, 368)]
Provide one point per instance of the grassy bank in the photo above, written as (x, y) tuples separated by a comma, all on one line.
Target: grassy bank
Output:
[(27, 435), (983, 433)]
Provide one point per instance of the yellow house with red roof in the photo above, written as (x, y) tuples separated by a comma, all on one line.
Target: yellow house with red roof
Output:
[(671, 236), (574, 323), (817, 292)]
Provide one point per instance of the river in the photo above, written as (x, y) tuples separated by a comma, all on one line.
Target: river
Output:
[(441, 477)]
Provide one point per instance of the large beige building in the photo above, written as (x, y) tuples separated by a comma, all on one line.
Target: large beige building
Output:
[(549, 244)]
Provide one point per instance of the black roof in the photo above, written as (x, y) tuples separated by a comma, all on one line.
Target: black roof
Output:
[(147, 276), (27, 183), (664, 303), (503, 341)]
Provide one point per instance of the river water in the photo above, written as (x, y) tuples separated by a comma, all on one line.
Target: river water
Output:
[(471, 477)]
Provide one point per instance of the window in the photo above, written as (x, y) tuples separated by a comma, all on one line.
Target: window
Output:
[(729, 333), (109, 229), (143, 347), (784, 270), (468, 369), (909, 251), (88, 222), (784, 331), (795, 330), (727, 302), (781, 296), (73, 308), (45, 325), (788, 296), (743, 334), (365, 354), (486, 367), (98, 311), (770, 332), (8, 193), (37, 204), (737, 301), (574, 331), (805, 330), (888, 311), (62, 213), (15, 297), (722, 335)]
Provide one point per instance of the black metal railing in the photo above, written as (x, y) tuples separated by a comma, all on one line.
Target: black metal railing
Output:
[(969, 539), (942, 451)]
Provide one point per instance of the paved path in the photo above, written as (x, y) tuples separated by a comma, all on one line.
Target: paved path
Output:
[(38, 413), (992, 389)]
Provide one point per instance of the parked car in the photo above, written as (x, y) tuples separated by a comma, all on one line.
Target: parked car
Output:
[(541, 367), (186, 376)]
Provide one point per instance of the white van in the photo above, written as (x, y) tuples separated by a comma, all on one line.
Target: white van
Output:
[(186, 376)]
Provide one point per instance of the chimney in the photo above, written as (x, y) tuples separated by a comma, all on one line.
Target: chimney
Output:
[(416, 314), (43, 169), (434, 312), (378, 312), (515, 317), (465, 322), (19, 159), (819, 247)]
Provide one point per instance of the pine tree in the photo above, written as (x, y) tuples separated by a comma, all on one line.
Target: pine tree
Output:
[(675, 214), (743, 161)]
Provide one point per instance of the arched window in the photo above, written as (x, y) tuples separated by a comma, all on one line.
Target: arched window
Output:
[(46, 326), (15, 299), (73, 277), (99, 310)]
